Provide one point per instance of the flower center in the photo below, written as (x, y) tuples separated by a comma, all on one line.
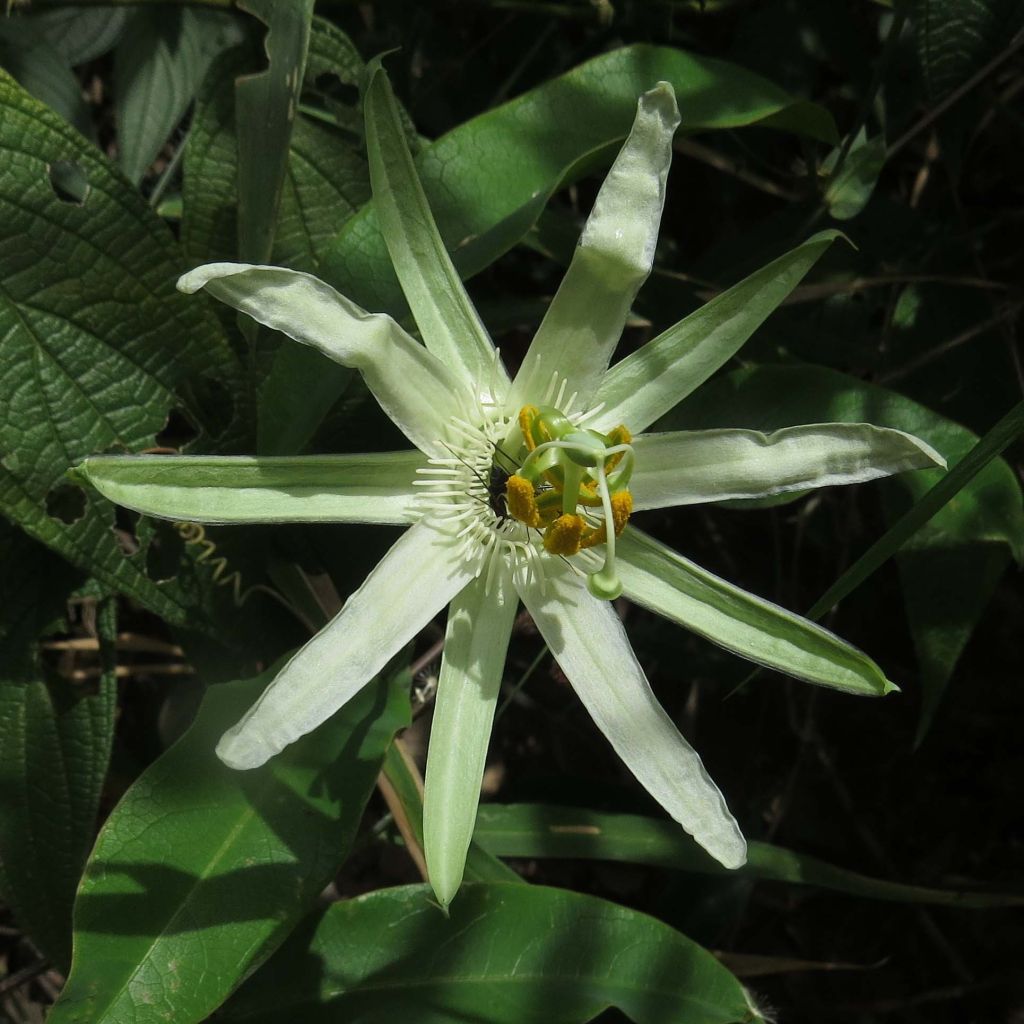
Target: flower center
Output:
[(516, 491), (566, 474)]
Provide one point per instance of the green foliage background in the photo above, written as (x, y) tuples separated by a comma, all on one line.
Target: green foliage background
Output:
[(146, 882)]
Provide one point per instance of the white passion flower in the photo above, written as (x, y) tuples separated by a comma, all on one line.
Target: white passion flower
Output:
[(520, 489)]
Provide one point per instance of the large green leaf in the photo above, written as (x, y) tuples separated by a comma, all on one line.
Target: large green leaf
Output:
[(158, 65), (955, 38), (970, 539), (540, 830), (97, 346), (201, 871), (508, 954)]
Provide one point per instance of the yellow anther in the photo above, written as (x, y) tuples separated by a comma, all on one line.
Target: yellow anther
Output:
[(528, 417), (562, 537), (521, 501), (617, 435), (622, 508)]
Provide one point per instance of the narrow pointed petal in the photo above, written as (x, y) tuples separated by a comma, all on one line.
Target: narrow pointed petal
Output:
[(409, 586), (447, 319), (241, 489), (589, 643), (650, 381), (412, 386), (689, 466), (476, 640), (614, 256), (659, 579)]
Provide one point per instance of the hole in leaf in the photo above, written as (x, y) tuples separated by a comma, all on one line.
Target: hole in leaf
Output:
[(178, 431), (163, 556), (66, 502), (332, 87), (124, 529), (69, 182)]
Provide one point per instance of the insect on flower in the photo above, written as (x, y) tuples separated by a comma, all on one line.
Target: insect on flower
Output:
[(523, 489)]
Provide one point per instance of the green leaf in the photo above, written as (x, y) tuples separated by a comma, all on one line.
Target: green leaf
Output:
[(29, 56), (55, 741), (508, 954), (82, 34), (956, 38), (97, 346), (848, 192), (159, 63), (266, 105), (201, 871), (971, 537), (540, 830)]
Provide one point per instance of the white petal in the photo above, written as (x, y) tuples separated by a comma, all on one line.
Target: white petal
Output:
[(658, 578), (224, 489), (647, 383), (479, 627), (689, 466), (413, 387), (589, 643), (409, 586), (612, 260), (447, 320)]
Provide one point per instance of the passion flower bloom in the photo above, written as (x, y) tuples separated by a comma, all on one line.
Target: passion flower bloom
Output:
[(521, 489)]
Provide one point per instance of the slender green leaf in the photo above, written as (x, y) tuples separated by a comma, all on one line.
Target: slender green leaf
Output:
[(158, 65), (541, 830), (508, 954), (201, 871), (266, 105), (97, 347), (847, 193)]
